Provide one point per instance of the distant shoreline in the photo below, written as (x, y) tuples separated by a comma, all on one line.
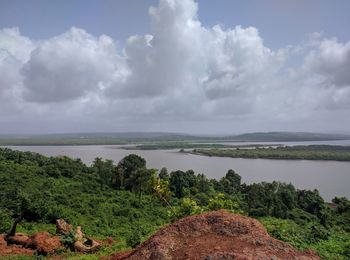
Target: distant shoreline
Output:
[(165, 139), (299, 152)]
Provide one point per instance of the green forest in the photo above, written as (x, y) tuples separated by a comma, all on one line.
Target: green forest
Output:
[(298, 152), (129, 202)]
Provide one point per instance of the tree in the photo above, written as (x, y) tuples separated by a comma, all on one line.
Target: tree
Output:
[(343, 204), (204, 185), (222, 201), (5, 220), (310, 201), (180, 181), (186, 207), (105, 171), (161, 190), (231, 182), (127, 166), (141, 181), (163, 174)]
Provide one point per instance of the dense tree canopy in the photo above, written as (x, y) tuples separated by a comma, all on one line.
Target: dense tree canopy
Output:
[(124, 199)]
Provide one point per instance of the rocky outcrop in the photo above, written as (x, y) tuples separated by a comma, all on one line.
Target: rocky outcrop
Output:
[(17, 239), (6, 249), (62, 227), (212, 236), (43, 243), (84, 244)]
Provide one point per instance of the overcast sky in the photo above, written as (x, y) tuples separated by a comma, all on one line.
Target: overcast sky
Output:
[(206, 67)]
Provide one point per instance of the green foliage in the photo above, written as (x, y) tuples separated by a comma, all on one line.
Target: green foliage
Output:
[(140, 181), (34, 227), (343, 204), (5, 220), (222, 201), (163, 174), (231, 183), (269, 199), (336, 247), (181, 181), (342, 210), (134, 239), (161, 190), (68, 239), (185, 207), (129, 202), (78, 199), (310, 152), (105, 170), (127, 166), (299, 236)]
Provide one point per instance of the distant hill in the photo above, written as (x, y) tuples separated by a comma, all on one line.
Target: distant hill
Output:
[(287, 136), (116, 135), (146, 137), (93, 138)]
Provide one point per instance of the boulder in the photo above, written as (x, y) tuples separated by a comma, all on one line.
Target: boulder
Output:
[(2, 241), (84, 244), (18, 239), (44, 243), (62, 227), (6, 249)]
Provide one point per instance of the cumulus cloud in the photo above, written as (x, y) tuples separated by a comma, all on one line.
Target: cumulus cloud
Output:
[(180, 72), (69, 66), (330, 60), (238, 62), (165, 61), (14, 44), (14, 51), (182, 55)]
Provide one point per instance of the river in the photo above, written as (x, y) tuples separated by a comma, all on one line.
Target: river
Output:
[(331, 178)]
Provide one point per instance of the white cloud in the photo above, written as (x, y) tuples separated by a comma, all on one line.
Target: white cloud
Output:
[(164, 62), (14, 51), (14, 44), (69, 66), (182, 55), (182, 72), (330, 60)]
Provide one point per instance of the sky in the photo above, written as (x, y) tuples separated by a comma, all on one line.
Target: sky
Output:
[(199, 67)]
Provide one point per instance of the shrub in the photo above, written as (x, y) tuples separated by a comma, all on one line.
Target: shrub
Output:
[(5, 221), (134, 239)]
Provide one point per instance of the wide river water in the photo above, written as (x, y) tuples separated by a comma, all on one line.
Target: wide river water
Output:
[(331, 178)]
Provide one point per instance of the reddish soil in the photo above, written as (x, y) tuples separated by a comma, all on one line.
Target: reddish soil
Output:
[(20, 244), (213, 236), (44, 243), (12, 249)]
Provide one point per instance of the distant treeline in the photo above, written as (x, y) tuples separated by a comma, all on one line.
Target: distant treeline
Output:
[(188, 145), (308, 152), (62, 141), (149, 137)]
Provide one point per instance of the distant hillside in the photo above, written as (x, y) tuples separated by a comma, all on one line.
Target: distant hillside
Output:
[(92, 138), (287, 136), (107, 135), (146, 137)]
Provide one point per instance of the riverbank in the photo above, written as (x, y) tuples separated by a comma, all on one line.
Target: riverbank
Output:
[(331, 178), (308, 152)]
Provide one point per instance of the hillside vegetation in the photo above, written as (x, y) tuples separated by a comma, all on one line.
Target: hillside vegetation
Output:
[(161, 138), (299, 152), (129, 202)]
